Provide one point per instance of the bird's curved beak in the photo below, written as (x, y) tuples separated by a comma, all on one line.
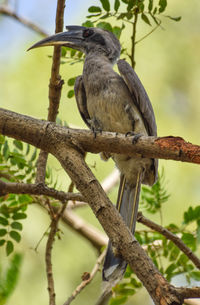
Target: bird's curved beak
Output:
[(72, 38)]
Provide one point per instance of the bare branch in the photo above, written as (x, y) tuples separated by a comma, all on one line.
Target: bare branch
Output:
[(86, 279), (55, 87), (37, 189), (192, 302), (174, 238), (4, 10), (48, 136)]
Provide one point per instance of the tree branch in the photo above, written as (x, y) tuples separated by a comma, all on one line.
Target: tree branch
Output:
[(37, 189), (86, 279), (4, 10), (55, 87), (47, 135), (174, 238)]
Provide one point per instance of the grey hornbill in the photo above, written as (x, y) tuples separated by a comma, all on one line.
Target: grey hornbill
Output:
[(110, 102)]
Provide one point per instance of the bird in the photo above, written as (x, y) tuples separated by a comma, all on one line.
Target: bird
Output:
[(115, 102)]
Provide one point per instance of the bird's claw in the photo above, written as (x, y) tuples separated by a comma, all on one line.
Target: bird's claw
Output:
[(136, 138)]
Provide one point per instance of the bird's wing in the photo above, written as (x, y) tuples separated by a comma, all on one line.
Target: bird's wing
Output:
[(81, 100), (139, 96)]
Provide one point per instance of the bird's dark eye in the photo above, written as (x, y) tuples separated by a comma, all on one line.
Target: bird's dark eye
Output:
[(87, 33)]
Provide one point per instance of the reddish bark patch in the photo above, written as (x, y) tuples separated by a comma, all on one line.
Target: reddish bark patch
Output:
[(183, 148)]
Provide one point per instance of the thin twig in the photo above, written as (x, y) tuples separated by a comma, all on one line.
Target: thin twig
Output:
[(48, 253), (55, 87), (133, 38), (8, 12), (86, 279), (174, 238), (149, 33)]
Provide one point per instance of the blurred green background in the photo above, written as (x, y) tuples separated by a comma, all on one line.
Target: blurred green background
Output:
[(168, 64)]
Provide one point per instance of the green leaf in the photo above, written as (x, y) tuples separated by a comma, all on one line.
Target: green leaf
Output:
[(9, 247), (118, 300), (105, 25), (17, 216), (71, 81), (33, 157), (18, 144), (16, 225), (174, 18), (145, 19), (88, 24), (2, 242), (189, 240), (195, 275), (2, 139), (130, 5), (6, 151), (163, 5), (15, 235), (150, 6), (94, 9), (70, 93), (105, 5), (3, 232), (63, 51), (116, 5), (3, 221)]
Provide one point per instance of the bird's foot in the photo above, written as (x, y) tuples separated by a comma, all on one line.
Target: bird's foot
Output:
[(96, 131), (136, 138)]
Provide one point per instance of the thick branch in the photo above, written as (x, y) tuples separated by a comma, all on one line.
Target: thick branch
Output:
[(8, 12), (47, 135), (175, 239), (121, 238)]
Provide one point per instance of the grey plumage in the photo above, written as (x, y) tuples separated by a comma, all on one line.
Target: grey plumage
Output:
[(110, 102)]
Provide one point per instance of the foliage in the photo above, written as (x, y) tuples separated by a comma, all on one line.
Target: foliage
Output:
[(17, 164), (9, 277)]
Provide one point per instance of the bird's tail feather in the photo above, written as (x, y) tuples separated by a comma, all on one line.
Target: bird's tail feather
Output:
[(127, 204)]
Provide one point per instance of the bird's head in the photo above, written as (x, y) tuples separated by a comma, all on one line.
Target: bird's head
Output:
[(87, 40)]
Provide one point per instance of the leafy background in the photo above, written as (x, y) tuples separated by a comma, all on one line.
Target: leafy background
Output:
[(168, 64)]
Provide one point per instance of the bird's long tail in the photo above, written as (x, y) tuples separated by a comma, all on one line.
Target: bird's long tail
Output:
[(127, 204)]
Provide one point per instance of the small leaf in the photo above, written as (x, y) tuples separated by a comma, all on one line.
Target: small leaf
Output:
[(88, 24), (150, 7), (195, 275), (15, 235), (163, 5), (116, 5), (106, 5), (174, 18), (33, 157), (17, 216), (18, 144), (16, 225), (71, 81), (3, 221), (3, 232), (2, 242), (118, 300), (94, 9), (145, 19), (70, 93), (9, 247), (131, 4), (105, 26)]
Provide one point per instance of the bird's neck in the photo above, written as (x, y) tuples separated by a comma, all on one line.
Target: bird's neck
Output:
[(97, 68), (95, 63)]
